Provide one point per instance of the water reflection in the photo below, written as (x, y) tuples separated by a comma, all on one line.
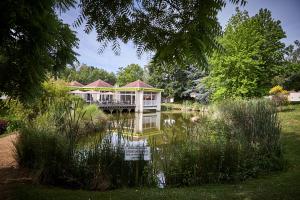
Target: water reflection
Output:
[(150, 137), (158, 128), (138, 124)]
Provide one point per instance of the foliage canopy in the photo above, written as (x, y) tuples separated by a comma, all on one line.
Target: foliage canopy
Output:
[(129, 74), (178, 82), (33, 42), (87, 74), (253, 55), (181, 31)]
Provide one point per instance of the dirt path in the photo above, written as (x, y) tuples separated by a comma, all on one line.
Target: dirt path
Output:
[(9, 171), (7, 159)]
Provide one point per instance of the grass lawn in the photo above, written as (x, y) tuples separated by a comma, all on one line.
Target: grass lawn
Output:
[(283, 185)]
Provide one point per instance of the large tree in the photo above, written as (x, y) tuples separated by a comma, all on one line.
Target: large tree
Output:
[(129, 74), (87, 74), (181, 31), (178, 82), (253, 54), (291, 76), (33, 42)]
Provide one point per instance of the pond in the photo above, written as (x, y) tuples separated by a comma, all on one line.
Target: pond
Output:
[(143, 136), (146, 137), (151, 128), (187, 148), (232, 142)]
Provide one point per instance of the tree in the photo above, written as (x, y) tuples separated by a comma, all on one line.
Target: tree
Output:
[(252, 56), (129, 74), (195, 87), (169, 78), (291, 76), (33, 43), (181, 31), (178, 82), (87, 74)]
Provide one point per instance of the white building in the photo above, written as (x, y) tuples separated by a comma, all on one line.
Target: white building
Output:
[(136, 95), (294, 96)]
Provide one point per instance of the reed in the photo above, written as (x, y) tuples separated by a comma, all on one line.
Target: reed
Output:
[(240, 142)]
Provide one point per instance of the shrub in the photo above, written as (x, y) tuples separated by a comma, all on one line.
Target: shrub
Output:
[(47, 154), (102, 166), (242, 142), (279, 95), (93, 119), (3, 126), (99, 166), (255, 123)]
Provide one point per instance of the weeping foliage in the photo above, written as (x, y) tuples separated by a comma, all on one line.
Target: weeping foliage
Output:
[(181, 31), (33, 42)]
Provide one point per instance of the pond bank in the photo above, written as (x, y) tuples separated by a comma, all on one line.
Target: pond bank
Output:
[(283, 185), (184, 106)]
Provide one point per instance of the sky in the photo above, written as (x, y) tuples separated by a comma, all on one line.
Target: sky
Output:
[(287, 11)]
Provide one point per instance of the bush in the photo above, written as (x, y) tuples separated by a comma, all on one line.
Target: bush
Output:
[(50, 146), (256, 124), (94, 120), (242, 142), (14, 113), (57, 161), (3, 126), (102, 166), (279, 95)]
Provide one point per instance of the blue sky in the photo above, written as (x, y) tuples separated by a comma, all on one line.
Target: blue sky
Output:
[(287, 11)]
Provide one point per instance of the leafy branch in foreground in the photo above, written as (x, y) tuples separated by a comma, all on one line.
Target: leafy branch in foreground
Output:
[(33, 43), (181, 31)]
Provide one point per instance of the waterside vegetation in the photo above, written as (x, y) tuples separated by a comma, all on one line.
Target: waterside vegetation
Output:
[(278, 185), (232, 142)]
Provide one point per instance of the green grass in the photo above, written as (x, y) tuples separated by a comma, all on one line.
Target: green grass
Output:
[(283, 185)]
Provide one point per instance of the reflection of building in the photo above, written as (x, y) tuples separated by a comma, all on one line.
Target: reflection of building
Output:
[(139, 124), (137, 95), (145, 123)]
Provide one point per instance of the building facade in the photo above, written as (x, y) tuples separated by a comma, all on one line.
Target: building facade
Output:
[(137, 95)]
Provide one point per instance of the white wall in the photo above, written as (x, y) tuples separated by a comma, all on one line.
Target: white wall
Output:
[(294, 97), (139, 101)]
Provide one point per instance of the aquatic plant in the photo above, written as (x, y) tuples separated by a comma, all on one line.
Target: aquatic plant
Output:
[(241, 141)]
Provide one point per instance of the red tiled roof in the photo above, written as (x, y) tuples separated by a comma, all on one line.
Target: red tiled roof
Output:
[(98, 83), (75, 84), (139, 84)]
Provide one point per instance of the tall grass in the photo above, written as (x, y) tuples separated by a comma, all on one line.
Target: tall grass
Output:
[(238, 141), (50, 146), (256, 122), (102, 166), (243, 142)]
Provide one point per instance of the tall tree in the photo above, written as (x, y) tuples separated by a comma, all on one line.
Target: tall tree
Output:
[(87, 74), (195, 87), (291, 76), (129, 74), (181, 31), (179, 82), (33, 42), (252, 56)]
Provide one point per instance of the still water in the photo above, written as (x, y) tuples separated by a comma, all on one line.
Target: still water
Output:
[(149, 128), (151, 137), (143, 134)]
